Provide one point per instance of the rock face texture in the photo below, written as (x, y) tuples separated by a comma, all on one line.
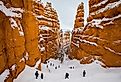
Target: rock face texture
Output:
[(48, 33), (79, 21), (78, 27), (66, 41), (101, 37), (23, 24)]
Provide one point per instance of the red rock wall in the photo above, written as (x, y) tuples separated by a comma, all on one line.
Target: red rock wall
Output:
[(79, 21), (101, 37), (20, 35), (48, 32)]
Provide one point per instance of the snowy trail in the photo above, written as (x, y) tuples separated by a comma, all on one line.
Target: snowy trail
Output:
[(95, 73)]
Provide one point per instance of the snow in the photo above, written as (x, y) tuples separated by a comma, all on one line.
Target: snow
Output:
[(41, 39), (21, 33), (90, 37), (38, 1), (45, 28), (22, 60), (118, 41), (11, 11), (13, 23), (109, 23), (97, 22), (50, 19), (78, 29), (45, 34), (113, 51), (109, 6), (26, 56), (75, 44), (13, 67), (37, 64), (4, 75), (42, 49), (94, 72), (40, 16), (85, 41), (91, 43), (109, 19), (99, 4)]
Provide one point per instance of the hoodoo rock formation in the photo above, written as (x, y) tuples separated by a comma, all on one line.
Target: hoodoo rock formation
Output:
[(79, 22), (48, 32), (78, 27), (101, 37), (28, 30)]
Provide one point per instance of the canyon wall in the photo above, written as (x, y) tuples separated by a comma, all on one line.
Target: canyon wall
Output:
[(49, 28), (100, 39), (76, 32), (23, 25), (79, 21)]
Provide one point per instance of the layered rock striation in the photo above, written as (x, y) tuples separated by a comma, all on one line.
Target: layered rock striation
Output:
[(101, 37), (79, 21), (76, 32), (48, 32), (23, 25)]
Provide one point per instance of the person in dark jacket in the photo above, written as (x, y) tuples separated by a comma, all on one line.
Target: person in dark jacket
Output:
[(47, 66), (36, 74), (67, 76), (53, 64), (42, 76), (84, 73), (50, 64), (56, 67)]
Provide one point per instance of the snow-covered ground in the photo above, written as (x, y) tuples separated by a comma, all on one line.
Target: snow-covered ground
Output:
[(94, 72)]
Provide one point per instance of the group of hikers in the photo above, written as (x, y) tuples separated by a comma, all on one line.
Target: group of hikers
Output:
[(56, 67), (66, 75), (52, 64), (37, 74)]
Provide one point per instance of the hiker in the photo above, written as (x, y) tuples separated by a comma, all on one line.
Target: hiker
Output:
[(56, 67), (67, 76), (47, 66), (48, 61), (70, 67), (48, 69), (61, 60), (53, 64), (36, 74), (50, 64), (42, 75), (84, 73)]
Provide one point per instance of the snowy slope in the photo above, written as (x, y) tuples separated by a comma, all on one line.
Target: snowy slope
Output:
[(95, 73)]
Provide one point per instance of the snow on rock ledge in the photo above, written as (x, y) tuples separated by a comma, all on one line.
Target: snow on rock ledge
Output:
[(12, 12)]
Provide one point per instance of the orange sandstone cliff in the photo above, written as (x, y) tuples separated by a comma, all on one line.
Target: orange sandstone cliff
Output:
[(101, 37), (78, 27), (23, 24), (48, 33), (79, 21)]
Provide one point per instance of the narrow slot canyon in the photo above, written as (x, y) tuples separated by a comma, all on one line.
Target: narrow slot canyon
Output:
[(57, 37)]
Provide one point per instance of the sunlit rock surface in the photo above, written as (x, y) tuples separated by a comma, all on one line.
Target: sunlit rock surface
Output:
[(23, 24), (101, 37)]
